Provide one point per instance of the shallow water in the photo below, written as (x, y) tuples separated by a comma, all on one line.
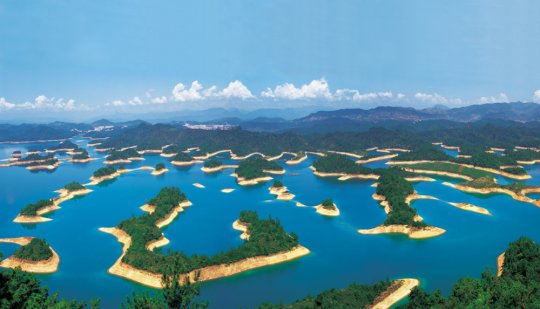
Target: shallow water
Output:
[(339, 254)]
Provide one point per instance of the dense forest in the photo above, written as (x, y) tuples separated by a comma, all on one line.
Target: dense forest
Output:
[(266, 237), (36, 157), (170, 149), (489, 182), (337, 163), (37, 250), (328, 204), (82, 154), (395, 188), (213, 163), (182, 157), (518, 287), (31, 209), (64, 145), (254, 167), (74, 186), (353, 296), (160, 166), (122, 154), (104, 171)]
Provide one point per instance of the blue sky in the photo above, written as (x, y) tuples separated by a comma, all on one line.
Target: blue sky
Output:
[(103, 56)]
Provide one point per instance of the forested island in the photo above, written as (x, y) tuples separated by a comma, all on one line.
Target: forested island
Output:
[(64, 146), (327, 208), (392, 191), (338, 165), (32, 213), (104, 173), (34, 161), (81, 156), (281, 192), (256, 169), (122, 156), (35, 255), (182, 159), (268, 244), (160, 169)]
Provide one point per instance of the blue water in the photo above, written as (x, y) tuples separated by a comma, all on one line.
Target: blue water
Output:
[(339, 254)]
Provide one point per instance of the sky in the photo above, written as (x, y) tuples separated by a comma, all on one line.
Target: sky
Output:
[(65, 58)]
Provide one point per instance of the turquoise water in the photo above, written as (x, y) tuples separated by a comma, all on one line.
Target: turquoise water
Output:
[(339, 254)]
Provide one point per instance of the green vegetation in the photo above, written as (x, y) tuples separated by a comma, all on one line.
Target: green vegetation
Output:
[(248, 216), (74, 186), (522, 155), (22, 290), (485, 159), (518, 287), (337, 163), (64, 145), (395, 188), (52, 161), (37, 250), (489, 182), (182, 157), (36, 157), (353, 296), (277, 184), (425, 152), (266, 237), (104, 171), (16, 153), (123, 154), (81, 155), (213, 163), (328, 204), (172, 149), (449, 168), (254, 167), (31, 209), (160, 166)]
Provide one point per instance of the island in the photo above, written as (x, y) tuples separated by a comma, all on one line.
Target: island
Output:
[(160, 169), (104, 173), (327, 208), (392, 192), (16, 154), (255, 170), (64, 146), (339, 165), (214, 165), (169, 151), (32, 213), (297, 159), (268, 244), (281, 192), (122, 156), (81, 157), (35, 256), (183, 159), (488, 185)]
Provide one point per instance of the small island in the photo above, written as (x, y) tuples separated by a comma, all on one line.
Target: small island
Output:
[(267, 244), (281, 192), (35, 256), (339, 165), (392, 192), (255, 170), (214, 165), (297, 159), (104, 173), (81, 157), (64, 146), (122, 156), (32, 213), (16, 154), (160, 169), (170, 151), (183, 159), (327, 208), (71, 190)]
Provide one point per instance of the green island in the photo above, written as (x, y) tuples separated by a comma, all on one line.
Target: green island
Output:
[(104, 171), (213, 163), (16, 154), (74, 186), (182, 157), (36, 250), (172, 149), (333, 163), (328, 204), (278, 184), (267, 237), (32, 209), (82, 154), (256, 167), (63, 146), (122, 155), (159, 166)]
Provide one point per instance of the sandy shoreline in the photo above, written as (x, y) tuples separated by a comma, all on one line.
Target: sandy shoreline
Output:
[(43, 167), (209, 155), (242, 227), (374, 159), (405, 288), (447, 174), (39, 267), (198, 185), (186, 163), (160, 172), (297, 160), (349, 154), (344, 176), (281, 193), (206, 273), (227, 190), (500, 264), (327, 212), (411, 232), (250, 182), (515, 196), (217, 168)]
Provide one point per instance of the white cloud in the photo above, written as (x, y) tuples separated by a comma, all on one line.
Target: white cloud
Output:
[(435, 98), (135, 101), (236, 90), (4, 104), (159, 100), (316, 89), (182, 94), (536, 97), (501, 98), (118, 103)]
